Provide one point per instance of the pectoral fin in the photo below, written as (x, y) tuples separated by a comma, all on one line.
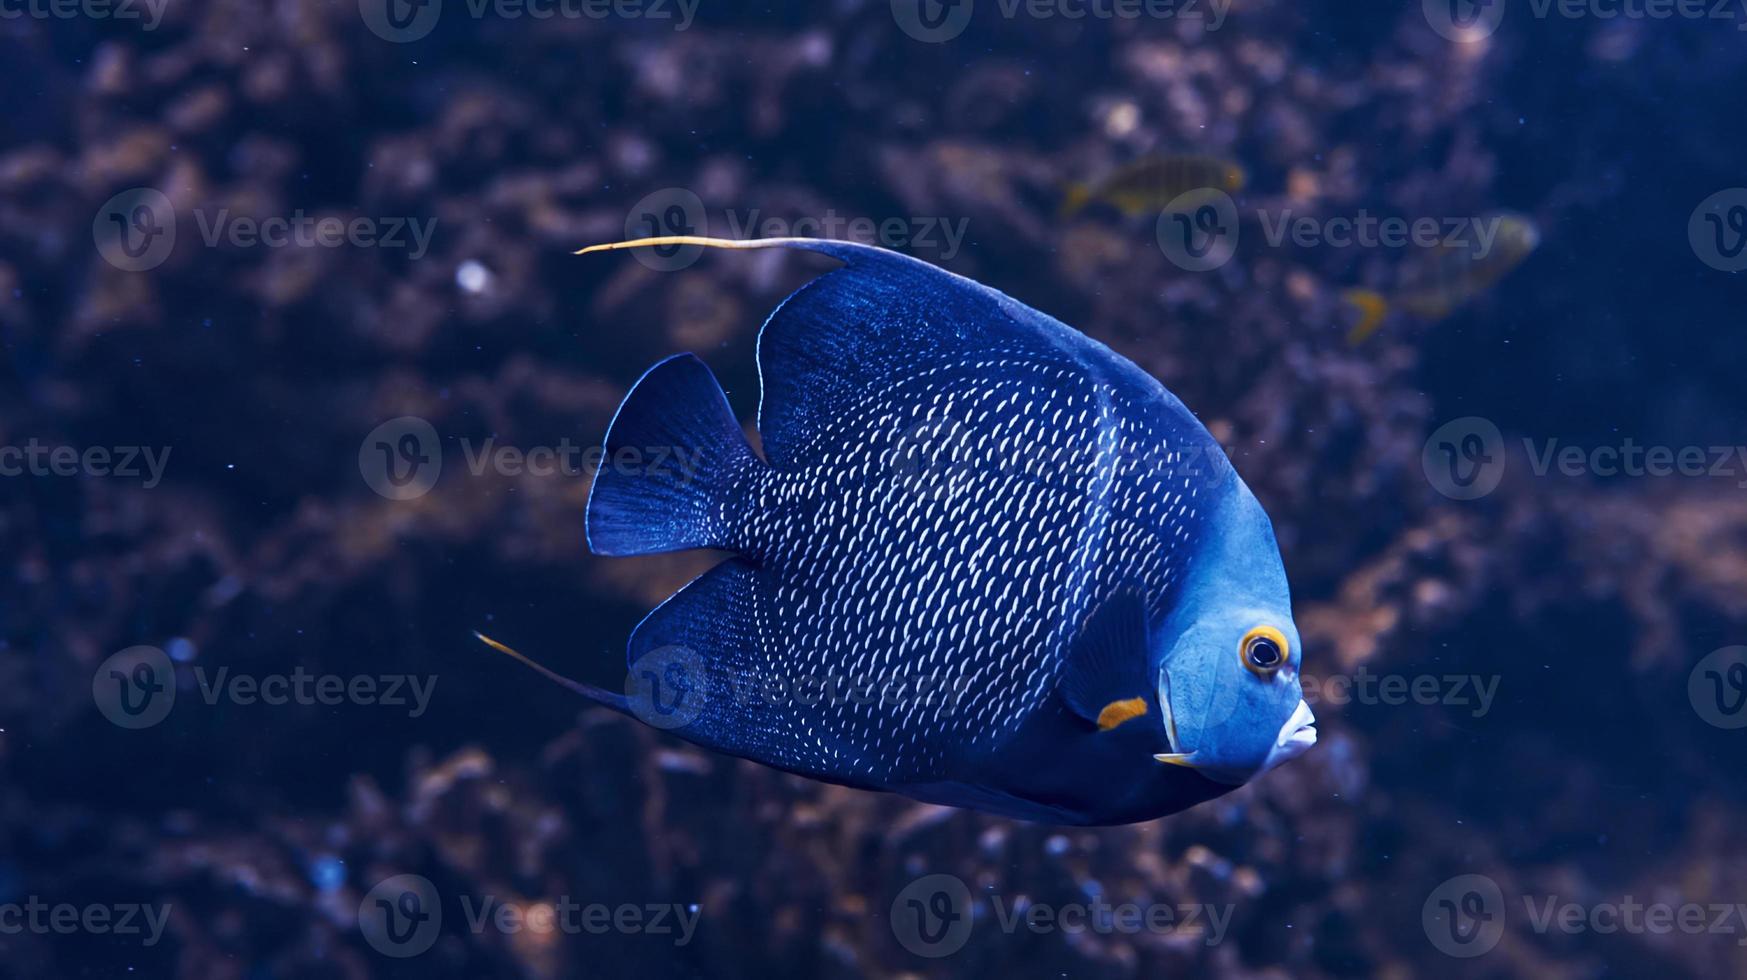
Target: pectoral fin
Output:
[(1104, 680)]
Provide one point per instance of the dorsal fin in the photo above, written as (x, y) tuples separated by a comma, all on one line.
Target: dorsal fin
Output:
[(882, 318)]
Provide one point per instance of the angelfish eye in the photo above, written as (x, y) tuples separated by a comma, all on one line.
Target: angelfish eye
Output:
[(1264, 650)]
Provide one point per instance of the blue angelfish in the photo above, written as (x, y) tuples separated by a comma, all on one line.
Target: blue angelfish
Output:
[(982, 560)]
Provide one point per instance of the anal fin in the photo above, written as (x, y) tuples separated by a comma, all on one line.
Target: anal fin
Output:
[(714, 618)]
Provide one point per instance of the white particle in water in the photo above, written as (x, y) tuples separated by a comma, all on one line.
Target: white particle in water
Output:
[(472, 277)]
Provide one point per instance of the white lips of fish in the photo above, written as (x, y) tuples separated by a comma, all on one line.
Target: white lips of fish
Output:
[(1295, 738)]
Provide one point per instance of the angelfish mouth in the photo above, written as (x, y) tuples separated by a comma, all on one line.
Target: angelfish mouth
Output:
[(1295, 738)]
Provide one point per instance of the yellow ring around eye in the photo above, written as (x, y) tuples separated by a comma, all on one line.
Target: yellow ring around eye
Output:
[(1264, 633)]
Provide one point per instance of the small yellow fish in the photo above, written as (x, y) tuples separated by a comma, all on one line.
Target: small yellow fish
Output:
[(1451, 276), (1152, 182)]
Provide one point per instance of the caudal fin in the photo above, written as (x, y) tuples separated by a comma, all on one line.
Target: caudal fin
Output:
[(672, 457), (1372, 308)]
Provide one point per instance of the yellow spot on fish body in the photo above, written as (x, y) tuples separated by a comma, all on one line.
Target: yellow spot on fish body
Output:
[(1117, 712)]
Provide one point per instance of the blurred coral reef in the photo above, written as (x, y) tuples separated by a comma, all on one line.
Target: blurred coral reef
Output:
[(263, 549)]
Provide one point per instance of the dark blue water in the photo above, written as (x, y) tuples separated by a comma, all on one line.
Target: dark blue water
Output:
[(301, 383)]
